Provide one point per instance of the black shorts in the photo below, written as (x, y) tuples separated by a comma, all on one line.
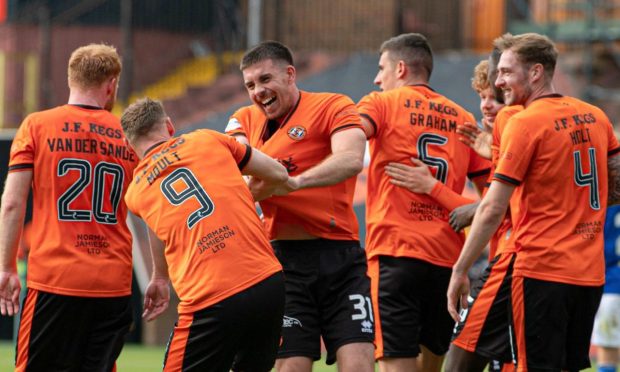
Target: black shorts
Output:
[(241, 331), (69, 333), (484, 327), (410, 296), (553, 323), (327, 294)]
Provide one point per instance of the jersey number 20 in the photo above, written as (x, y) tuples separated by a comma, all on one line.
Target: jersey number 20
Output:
[(65, 213)]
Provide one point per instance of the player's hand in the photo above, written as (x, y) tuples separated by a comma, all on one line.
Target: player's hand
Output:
[(462, 216), (10, 287), (417, 178), (260, 189), (156, 298), (292, 184), (458, 289), (478, 139)]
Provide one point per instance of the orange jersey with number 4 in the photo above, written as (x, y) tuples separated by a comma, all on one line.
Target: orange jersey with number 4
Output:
[(555, 151), (415, 121), (80, 243), (190, 192)]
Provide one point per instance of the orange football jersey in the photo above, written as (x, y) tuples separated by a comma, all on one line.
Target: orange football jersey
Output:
[(555, 151), (80, 243), (302, 141), (190, 192), (415, 121), (501, 241)]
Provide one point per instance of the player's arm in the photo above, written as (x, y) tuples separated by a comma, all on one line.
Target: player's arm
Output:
[(241, 138), (488, 217), (346, 160), (267, 175), (12, 213), (418, 178), (613, 171), (157, 294)]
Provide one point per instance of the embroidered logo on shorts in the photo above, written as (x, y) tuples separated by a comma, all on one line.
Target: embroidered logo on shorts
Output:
[(297, 133), (367, 326), (288, 322)]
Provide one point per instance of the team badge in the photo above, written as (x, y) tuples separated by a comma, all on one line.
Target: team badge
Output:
[(297, 133)]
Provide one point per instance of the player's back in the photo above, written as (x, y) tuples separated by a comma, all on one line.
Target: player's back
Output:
[(556, 150), (190, 192), (81, 245), (415, 121)]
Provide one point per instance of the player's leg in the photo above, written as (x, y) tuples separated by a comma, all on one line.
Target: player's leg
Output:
[(396, 284), (301, 332), (110, 324), (52, 332), (262, 324), (345, 306), (482, 334), (606, 333), (429, 361)]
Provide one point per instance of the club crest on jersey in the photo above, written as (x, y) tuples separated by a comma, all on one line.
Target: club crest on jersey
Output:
[(297, 133)]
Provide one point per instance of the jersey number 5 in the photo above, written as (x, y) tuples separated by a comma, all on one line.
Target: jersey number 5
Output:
[(441, 164), (65, 213), (590, 179), (193, 189)]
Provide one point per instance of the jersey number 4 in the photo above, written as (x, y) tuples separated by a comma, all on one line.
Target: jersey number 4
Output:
[(193, 189), (84, 169), (590, 179)]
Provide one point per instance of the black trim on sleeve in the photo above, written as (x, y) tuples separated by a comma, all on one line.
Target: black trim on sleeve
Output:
[(246, 157), (507, 179), (479, 173), (346, 126), (613, 152), (21, 166), (372, 122)]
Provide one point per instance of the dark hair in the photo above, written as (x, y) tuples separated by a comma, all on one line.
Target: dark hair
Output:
[(413, 49), (270, 49)]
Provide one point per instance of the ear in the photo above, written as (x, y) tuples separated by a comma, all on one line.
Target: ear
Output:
[(537, 72), (401, 69), (111, 86), (169, 126), (292, 73)]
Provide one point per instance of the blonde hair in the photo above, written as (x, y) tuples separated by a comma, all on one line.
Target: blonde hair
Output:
[(93, 64), (480, 80), (139, 118), (530, 48)]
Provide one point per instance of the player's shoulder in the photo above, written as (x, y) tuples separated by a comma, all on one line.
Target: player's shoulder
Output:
[(325, 98)]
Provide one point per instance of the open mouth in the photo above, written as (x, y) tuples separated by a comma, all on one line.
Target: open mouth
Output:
[(267, 102)]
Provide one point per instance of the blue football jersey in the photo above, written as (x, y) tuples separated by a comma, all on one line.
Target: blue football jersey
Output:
[(612, 250)]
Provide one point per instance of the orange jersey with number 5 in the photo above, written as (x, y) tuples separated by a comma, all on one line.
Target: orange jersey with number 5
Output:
[(415, 121)]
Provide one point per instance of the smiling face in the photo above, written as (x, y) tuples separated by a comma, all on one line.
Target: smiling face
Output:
[(489, 105), (387, 76), (512, 79), (271, 87)]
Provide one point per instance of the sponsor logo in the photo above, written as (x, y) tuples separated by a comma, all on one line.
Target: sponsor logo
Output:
[(288, 322), (297, 133)]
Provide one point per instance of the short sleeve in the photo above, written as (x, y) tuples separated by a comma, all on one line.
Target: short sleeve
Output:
[(613, 147), (371, 108), (240, 152), (235, 125), (517, 147), (343, 115), (23, 148)]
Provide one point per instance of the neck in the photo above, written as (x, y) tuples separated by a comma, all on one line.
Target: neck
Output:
[(296, 94), (543, 90), (143, 145), (86, 97), (413, 80)]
